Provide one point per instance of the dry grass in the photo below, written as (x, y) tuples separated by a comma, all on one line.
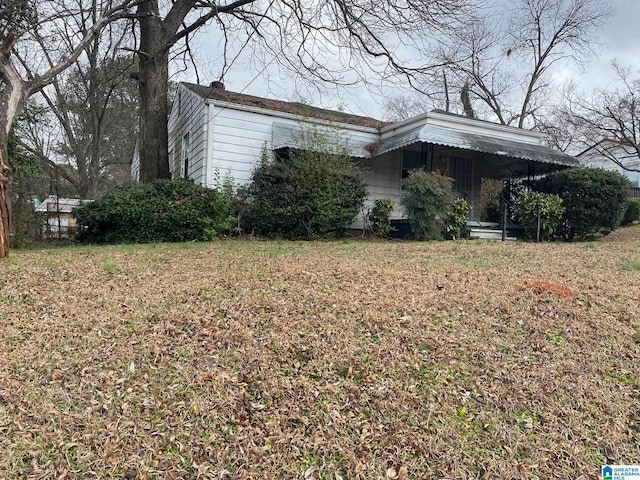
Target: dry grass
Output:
[(269, 360)]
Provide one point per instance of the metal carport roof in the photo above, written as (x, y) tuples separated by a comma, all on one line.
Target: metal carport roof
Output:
[(456, 138)]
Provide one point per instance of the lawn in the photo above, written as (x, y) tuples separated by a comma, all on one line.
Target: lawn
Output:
[(337, 360)]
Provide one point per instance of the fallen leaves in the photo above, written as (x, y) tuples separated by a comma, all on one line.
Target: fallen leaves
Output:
[(262, 360)]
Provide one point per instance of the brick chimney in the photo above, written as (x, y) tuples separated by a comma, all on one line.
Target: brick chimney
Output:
[(217, 84)]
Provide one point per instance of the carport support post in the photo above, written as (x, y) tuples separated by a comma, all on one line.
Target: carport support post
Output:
[(538, 224), (504, 219)]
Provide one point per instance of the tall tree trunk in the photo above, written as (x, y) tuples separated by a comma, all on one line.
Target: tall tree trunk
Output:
[(5, 195), (12, 98), (153, 81)]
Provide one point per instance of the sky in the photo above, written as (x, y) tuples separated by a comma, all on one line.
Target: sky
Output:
[(619, 39), (621, 42)]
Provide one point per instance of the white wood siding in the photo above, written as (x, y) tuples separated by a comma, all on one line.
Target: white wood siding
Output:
[(383, 176), (237, 140), (239, 136), (135, 164), (189, 116)]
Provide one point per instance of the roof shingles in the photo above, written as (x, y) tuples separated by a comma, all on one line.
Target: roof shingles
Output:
[(294, 108)]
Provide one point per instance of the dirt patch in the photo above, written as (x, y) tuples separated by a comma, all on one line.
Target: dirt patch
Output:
[(545, 287), (278, 360)]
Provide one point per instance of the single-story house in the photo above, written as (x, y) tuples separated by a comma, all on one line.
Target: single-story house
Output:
[(58, 217), (214, 132), (611, 155)]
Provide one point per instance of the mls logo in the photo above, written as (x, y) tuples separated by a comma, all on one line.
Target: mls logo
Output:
[(607, 473)]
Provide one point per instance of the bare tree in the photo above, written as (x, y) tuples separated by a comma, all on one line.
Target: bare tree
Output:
[(608, 122), (297, 35), (402, 107), (18, 19), (507, 59), (94, 104)]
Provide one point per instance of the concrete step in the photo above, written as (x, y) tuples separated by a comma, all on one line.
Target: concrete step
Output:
[(477, 224), (488, 234)]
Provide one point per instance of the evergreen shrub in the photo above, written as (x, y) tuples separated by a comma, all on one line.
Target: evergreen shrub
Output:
[(426, 198), (312, 191), (594, 200), (161, 211), (632, 213)]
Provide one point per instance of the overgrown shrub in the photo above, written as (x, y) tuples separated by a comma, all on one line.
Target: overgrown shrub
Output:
[(550, 207), (455, 218), (314, 192), (490, 192), (632, 213), (161, 211), (594, 200), (426, 199), (380, 217)]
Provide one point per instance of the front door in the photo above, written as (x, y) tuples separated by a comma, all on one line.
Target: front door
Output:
[(461, 170)]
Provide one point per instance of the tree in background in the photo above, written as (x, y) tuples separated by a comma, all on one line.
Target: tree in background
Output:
[(94, 102), (19, 21), (607, 123), (504, 60), (91, 115)]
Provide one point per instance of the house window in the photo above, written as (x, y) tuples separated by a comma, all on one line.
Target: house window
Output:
[(461, 170), (185, 156), (410, 161)]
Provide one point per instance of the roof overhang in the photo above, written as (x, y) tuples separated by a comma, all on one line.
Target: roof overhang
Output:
[(291, 136), (476, 142)]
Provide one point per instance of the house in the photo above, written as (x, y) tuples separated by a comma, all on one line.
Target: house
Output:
[(57, 213), (214, 132), (611, 155)]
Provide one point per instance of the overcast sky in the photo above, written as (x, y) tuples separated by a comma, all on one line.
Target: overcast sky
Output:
[(620, 40)]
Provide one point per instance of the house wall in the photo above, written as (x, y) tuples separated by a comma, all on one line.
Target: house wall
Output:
[(606, 164), (237, 141), (188, 116), (383, 176), (238, 137), (135, 165)]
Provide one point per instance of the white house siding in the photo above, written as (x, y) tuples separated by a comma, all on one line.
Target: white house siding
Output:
[(135, 165), (606, 164), (188, 116), (238, 138), (383, 176)]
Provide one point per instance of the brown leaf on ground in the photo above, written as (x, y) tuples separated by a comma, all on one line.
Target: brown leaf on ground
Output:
[(328, 360)]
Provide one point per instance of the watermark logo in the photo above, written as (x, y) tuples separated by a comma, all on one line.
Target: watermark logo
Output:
[(621, 472)]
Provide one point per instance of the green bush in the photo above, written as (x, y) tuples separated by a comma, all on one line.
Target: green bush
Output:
[(455, 217), (161, 211), (426, 199), (380, 217), (594, 200), (313, 192), (632, 213), (551, 210)]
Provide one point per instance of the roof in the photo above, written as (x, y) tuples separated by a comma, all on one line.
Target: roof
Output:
[(436, 127), (295, 108), (477, 142), (60, 205)]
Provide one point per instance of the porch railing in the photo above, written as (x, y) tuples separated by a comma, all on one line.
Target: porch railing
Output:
[(634, 192)]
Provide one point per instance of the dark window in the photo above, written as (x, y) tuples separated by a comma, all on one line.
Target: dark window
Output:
[(410, 161), (186, 150), (461, 170)]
